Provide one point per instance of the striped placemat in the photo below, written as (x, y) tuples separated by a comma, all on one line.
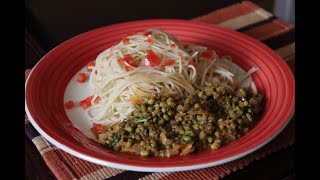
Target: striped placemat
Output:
[(244, 17)]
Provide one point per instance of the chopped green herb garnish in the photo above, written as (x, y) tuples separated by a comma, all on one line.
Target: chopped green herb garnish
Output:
[(188, 133), (141, 119), (115, 140), (186, 142)]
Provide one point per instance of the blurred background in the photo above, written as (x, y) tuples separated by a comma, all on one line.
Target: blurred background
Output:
[(48, 23)]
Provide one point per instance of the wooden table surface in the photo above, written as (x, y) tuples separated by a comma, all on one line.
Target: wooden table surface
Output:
[(279, 165)]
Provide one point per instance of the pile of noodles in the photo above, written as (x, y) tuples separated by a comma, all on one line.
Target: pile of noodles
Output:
[(116, 84)]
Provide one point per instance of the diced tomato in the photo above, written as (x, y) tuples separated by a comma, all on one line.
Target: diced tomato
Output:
[(150, 39), (146, 33), (129, 59), (206, 54), (97, 129), (192, 63), (89, 98), (135, 100), (152, 59), (82, 77), (86, 102), (69, 105), (90, 65), (169, 62), (129, 68), (173, 45), (121, 62), (125, 40)]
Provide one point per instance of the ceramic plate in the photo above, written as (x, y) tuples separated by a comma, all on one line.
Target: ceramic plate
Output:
[(52, 82)]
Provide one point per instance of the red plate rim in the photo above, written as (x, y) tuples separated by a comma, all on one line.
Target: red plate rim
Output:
[(260, 135)]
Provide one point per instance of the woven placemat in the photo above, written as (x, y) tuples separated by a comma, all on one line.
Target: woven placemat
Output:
[(244, 17)]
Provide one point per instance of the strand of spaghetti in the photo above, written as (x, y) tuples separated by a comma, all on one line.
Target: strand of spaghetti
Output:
[(206, 70), (248, 74), (116, 91)]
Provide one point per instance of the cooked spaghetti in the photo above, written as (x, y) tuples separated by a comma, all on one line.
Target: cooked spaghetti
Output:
[(153, 61)]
